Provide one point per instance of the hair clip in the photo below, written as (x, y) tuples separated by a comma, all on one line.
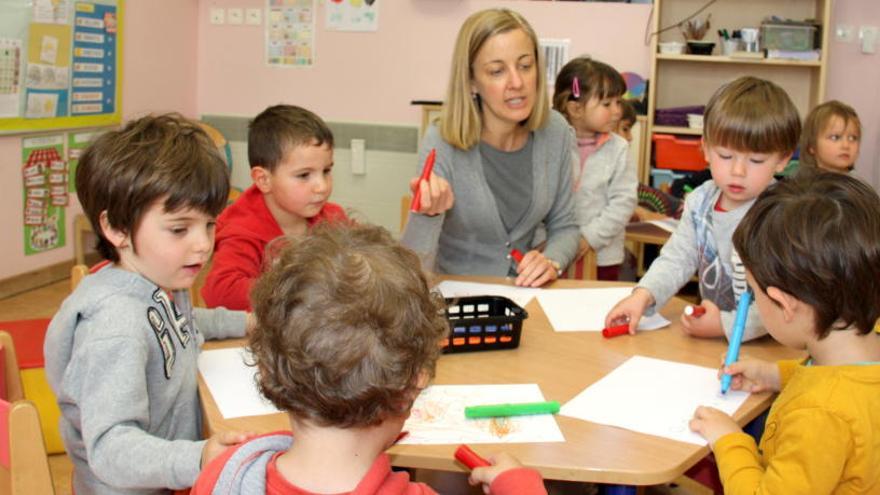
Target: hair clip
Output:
[(575, 88)]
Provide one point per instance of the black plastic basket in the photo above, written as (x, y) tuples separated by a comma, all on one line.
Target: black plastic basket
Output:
[(483, 323)]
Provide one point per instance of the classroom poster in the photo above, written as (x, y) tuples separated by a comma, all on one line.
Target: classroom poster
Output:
[(44, 178), (93, 88), (77, 142), (10, 76), (352, 15), (48, 70), (290, 33), (51, 11)]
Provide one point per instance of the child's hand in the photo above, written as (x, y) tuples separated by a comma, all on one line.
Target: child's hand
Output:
[(435, 196), (707, 325), (535, 270), (630, 309), (221, 441), (712, 424), (753, 375), (501, 462)]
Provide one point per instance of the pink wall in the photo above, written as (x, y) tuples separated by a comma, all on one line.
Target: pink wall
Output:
[(159, 44), (372, 77), (853, 78)]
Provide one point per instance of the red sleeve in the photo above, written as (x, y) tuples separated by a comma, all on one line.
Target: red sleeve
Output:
[(518, 481), (236, 264), (210, 473)]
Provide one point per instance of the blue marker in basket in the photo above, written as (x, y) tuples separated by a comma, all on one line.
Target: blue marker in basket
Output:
[(739, 327)]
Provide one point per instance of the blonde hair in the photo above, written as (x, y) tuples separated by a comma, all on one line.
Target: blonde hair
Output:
[(751, 114), (460, 120), (817, 120)]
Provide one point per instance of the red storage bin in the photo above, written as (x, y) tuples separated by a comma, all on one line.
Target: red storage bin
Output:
[(677, 153)]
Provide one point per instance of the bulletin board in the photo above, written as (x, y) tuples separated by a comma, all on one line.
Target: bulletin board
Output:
[(60, 64)]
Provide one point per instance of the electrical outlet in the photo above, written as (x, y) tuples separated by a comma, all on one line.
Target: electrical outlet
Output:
[(358, 158), (218, 15), (234, 16), (253, 17)]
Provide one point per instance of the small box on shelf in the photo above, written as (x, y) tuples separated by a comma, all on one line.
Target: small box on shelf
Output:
[(678, 153)]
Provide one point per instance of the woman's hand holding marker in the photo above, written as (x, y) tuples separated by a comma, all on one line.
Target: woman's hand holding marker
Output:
[(431, 193)]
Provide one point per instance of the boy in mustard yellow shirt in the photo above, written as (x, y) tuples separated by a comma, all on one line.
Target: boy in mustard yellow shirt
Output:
[(811, 248)]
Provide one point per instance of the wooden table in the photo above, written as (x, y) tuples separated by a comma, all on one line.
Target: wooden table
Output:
[(563, 364)]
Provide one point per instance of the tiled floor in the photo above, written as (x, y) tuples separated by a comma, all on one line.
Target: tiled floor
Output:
[(43, 302)]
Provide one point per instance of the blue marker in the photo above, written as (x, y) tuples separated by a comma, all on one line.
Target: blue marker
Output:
[(739, 327)]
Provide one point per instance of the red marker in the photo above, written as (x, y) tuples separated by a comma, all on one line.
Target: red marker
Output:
[(517, 255), (615, 331), (469, 458), (694, 311), (400, 437), (426, 175)]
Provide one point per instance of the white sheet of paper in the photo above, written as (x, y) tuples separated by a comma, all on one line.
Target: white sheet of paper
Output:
[(653, 396), (574, 310), (520, 295), (438, 416), (232, 383), (667, 224)]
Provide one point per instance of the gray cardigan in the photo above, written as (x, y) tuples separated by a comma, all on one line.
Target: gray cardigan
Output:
[(469, 238)]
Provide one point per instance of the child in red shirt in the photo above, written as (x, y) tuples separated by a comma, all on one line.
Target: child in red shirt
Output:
[(290, 150)]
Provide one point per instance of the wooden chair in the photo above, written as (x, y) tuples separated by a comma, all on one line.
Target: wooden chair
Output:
[(24, 467), (10, 380)]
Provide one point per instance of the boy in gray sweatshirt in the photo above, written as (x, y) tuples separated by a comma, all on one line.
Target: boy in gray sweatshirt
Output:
[(121, 352), (751, 130)]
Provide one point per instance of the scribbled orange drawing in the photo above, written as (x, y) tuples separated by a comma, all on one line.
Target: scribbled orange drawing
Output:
[(501, 427)]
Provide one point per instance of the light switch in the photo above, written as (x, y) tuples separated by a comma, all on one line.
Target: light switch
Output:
[(253, 17), (358, 158), (868, 38), (234, 16), (218, 15)]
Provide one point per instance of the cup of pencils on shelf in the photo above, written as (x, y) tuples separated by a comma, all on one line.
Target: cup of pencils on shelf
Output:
[(694, 30)]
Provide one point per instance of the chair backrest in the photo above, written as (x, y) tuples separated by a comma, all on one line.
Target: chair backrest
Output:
[(405, 202), (12, 388), (77, 273), (24, 467)]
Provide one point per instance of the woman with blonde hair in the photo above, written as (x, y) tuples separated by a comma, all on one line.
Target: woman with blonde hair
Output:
[(503, 155)]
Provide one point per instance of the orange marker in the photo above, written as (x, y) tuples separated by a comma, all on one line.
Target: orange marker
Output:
[(426, 175), (694, 311)]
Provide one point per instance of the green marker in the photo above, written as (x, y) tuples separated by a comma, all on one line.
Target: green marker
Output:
[(501, 410), (688, 189)]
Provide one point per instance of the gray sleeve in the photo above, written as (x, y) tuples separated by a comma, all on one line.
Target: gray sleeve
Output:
[(622, 199), (220, 323), (677, 262), (562, 229), (115, 415), (422, 232)]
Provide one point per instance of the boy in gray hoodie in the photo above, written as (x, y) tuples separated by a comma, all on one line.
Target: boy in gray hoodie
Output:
[(121, 352)]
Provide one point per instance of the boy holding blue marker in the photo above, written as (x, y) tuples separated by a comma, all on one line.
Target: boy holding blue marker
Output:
[(811, 248)]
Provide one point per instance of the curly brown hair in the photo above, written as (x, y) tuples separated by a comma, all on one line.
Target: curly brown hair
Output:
[(346, 325), (158, 157), (816, 236)]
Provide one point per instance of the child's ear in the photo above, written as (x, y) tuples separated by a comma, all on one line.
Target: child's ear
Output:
[(787, 302), (262, 179), (573, 108), (783, 162), (118, 238)]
